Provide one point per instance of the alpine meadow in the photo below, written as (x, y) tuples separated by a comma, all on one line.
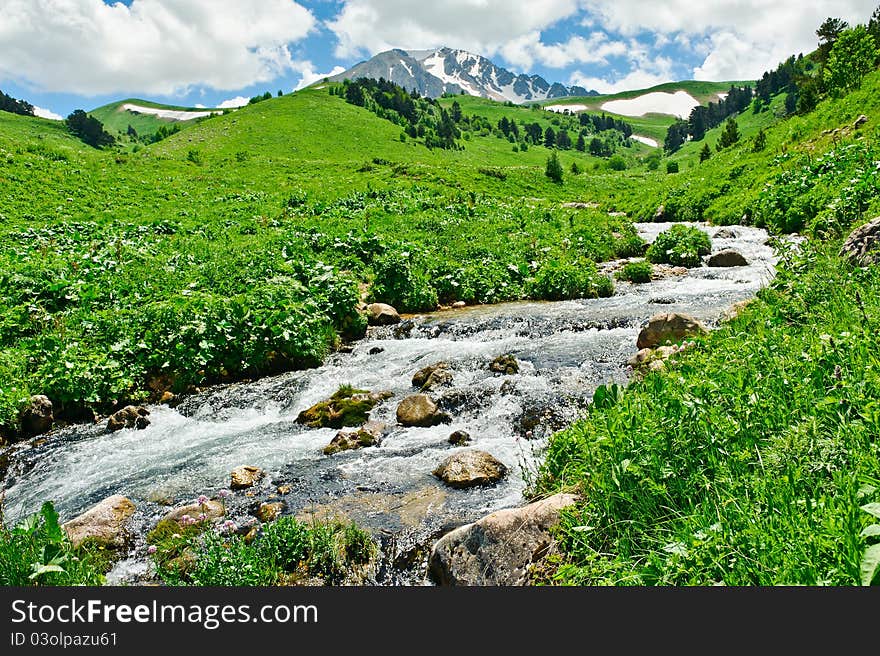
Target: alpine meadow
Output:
[(448, 329)]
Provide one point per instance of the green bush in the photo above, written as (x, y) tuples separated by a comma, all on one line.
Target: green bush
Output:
[(681, 245), (37, 552), (401, 281), (562, 279), (638, 272), (282, 549)]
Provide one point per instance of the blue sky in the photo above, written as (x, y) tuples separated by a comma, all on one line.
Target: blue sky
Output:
[(66, 54)]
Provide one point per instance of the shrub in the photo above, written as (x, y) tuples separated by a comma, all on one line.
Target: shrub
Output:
[(617, 163), (559, 280), (672, 167), (681, 245), (638, 272), (402, 282), (553, 169)]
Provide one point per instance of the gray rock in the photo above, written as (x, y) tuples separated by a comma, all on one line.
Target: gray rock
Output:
[(211, 509), (420, 410), (725, 233), (460, 438), (727, 258), (671, 326), (499, 549), (860, 248), (129, 417), (470, 469), (245, 476), (382, 314), (104, 524), (37, 417)]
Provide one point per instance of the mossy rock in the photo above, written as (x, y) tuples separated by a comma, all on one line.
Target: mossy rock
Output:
[(505, 364), (347, 407)]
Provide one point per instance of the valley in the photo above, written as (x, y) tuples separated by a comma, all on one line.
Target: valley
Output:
[(218, 279)]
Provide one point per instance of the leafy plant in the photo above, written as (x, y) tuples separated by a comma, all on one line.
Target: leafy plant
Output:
[(638, 272), (681, 245)]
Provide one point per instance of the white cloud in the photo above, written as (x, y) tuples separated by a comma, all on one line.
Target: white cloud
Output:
[(310, 77), (154, 46), (47, 113), (525, 50), (482, 26), (234, 103), (740, 38)]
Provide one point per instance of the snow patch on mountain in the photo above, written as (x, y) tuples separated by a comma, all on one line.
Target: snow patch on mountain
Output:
[(677, 104)]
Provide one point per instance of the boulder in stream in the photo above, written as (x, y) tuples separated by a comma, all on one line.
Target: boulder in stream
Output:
[(382, 314), (347, 407), (499, 549), (505, 364), (470, 469), (460, 438), (420, 410), (861, 247), (245, 476), (104, 524), (724, 233), (38, 416), (130, 416), (432, 376), (370, 434), (671, 326), (727, 258)]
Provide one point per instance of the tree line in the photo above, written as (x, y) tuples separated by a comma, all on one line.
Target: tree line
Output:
[(844, 56), (705, 117), (10, 104)]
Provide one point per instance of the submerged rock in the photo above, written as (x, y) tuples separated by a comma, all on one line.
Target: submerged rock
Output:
[(727, 258), (130, 416), (499, 549), (470, 469), (460, 438), (382, 314), (420, 410), (725, 233), (347, 407), (38, 416), (245, 476), (671, 326), (861, 247), (505, 364), (432, 376), (370, 434), (103, 524)]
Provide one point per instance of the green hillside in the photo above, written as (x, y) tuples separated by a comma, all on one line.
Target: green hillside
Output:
[(244, 245), (117, 118)]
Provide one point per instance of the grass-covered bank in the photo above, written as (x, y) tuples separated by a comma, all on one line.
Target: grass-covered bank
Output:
[(748, 462)]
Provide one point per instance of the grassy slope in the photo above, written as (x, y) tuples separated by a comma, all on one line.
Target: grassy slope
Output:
[(227, 214), (747, 462), (117, 120)]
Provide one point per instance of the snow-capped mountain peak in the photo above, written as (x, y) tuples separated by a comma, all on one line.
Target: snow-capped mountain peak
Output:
[(435, 72)]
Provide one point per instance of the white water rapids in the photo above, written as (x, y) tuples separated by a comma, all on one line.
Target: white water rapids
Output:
[(566, 349)]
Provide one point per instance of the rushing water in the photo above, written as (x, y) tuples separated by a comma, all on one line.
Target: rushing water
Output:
[(566, 350)]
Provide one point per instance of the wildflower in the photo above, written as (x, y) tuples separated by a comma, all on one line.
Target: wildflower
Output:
[(224, 493), (229, 526), (202, 517), (203, 500), (152, 549)]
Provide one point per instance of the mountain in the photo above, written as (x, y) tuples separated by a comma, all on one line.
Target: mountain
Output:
[(435, 72)]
